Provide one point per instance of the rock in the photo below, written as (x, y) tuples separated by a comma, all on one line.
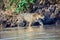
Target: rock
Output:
[(14, 25), (35, 24), (24, 23), (3, 7), (52, 8), (49, 21)]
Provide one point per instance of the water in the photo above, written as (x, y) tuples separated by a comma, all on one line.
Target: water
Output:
[(48, 32)]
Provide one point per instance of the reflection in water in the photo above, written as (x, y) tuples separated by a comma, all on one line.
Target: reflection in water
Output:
[(42, 33)]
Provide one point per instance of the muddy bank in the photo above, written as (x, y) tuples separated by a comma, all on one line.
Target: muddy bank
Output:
[(16, 20)]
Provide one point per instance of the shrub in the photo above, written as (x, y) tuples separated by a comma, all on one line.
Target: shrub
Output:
[(23, 5)]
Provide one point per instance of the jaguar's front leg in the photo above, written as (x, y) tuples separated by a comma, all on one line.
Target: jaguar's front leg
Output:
[(29, 27)]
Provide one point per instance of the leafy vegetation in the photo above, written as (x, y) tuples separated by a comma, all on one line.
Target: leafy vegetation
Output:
[(23, 5), (18, 5)]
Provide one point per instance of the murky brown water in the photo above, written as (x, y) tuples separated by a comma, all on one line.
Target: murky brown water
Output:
[(46, 33)]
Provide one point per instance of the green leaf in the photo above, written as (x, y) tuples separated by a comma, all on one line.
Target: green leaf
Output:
[(23, 3), (17, 10)]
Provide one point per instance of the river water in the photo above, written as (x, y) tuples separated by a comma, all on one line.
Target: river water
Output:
[(48, 32)]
